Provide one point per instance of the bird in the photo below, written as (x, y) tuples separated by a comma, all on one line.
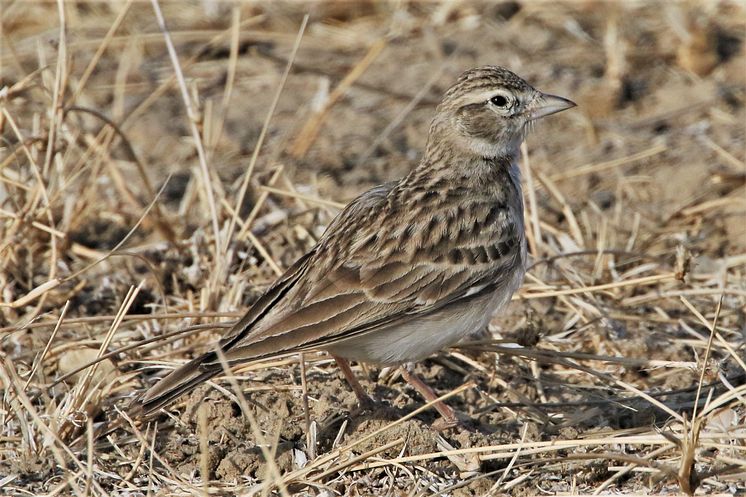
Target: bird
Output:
[(409, 267)]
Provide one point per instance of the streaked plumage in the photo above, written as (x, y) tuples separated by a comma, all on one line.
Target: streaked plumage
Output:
[(409, 267)]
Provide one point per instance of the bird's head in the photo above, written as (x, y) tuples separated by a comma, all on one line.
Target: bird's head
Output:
[(488, 111)]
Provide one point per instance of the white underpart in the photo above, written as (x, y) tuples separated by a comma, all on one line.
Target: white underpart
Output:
[(486, 148), (415, 340)]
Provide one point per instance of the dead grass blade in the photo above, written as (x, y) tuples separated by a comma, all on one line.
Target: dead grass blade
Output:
[(193, 120), (263, 133), (311, 128)]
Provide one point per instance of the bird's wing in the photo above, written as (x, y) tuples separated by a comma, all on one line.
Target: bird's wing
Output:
[(380, 262), (364, 277)]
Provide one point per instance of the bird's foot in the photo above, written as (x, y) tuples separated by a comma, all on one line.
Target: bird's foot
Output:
[(365, 404), (444, 424)]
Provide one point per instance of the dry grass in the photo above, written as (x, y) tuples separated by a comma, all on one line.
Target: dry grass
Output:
[(155, 177)]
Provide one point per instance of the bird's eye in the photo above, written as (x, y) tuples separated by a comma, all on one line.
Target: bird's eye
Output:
[(499, 101)]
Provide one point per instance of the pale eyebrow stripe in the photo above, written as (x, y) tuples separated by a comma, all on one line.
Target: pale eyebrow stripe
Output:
[(480, 97)]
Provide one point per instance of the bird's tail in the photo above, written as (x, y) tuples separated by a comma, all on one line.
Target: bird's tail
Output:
[(177, 383)]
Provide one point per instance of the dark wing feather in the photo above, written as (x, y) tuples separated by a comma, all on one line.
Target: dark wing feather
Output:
[(266, 302)]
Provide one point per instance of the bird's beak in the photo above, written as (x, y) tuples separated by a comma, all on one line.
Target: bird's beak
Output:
[(546, 105)]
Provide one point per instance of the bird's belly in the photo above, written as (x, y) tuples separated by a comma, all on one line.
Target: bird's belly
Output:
[(419, 338)]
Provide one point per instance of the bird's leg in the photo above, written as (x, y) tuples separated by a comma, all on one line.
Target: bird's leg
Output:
[(446, 412), (363, 398)]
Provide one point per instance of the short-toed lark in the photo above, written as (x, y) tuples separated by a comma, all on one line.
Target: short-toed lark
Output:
[(411, 266)]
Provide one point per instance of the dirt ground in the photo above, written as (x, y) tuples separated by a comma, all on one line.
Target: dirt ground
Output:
[(122, 245)]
